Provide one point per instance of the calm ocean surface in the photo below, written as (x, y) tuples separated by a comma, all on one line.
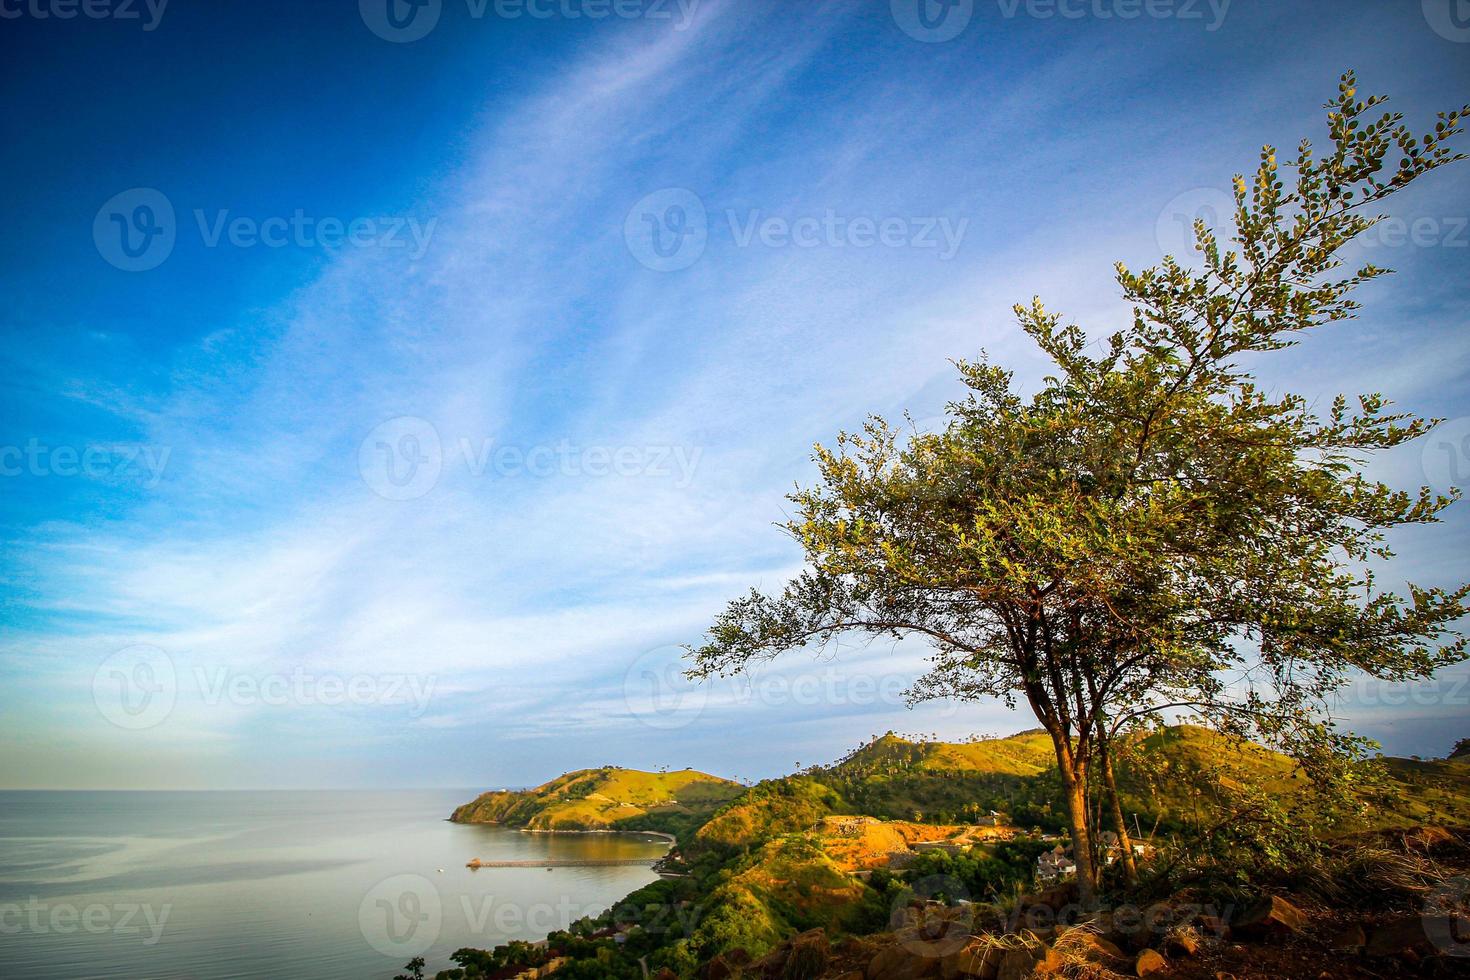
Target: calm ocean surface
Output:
[(159, 886)]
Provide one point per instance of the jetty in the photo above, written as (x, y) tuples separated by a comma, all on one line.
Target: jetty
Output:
[(477, 864)]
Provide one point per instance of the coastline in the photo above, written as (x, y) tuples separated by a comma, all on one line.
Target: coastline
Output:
[(670, 839)]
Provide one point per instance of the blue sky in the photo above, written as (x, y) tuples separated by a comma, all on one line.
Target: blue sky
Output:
[(441, 387)]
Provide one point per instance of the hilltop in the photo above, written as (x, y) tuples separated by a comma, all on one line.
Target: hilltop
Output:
[(609, 798)]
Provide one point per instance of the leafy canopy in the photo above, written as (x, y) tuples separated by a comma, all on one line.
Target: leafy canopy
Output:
[(1150, 524)]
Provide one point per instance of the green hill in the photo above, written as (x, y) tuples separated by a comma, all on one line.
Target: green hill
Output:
[(897, 779), (606, 799), (941, 782), (1026, 754)]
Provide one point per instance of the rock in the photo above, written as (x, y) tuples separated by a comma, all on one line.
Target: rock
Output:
[(1182, 941), (900, 963), (1402, 938), (1272, 918), (982, 962), (808, 956), (1213, 925), (1352, 939), (1016, 964), (1053, 898), (1023, 963), (1095, 948), (1149, 961), (726, 964), (1051, 963)]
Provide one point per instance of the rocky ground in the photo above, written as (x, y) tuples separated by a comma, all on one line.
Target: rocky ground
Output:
[(1180, 938)]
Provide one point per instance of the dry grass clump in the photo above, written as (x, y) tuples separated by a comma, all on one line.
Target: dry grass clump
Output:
[(1392, 869)]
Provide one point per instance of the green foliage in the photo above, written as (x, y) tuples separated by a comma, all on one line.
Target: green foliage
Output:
[(1150, 524), (983, 873)]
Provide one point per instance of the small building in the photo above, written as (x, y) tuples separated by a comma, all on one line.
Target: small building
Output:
[(1054, 865)]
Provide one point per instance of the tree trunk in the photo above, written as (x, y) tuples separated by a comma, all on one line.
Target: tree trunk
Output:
[(1115, 807), (1074, 788)]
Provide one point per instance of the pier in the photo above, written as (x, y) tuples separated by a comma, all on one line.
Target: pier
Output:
[(476, 864)]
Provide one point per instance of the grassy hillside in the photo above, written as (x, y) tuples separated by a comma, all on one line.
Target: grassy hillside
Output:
[(606, 799), (1026, 754), (950, 783), (771, 861)]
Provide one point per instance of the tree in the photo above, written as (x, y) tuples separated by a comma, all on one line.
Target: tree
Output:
[(1149, 530)]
